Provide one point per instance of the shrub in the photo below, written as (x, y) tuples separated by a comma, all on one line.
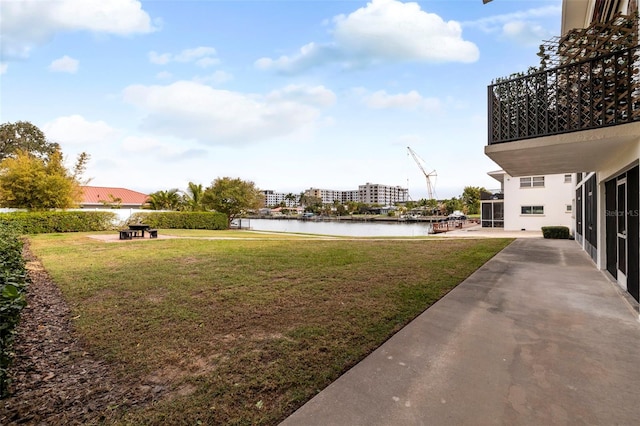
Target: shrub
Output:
[(59, 221), (182, 220), (556, 232), (13, 283)]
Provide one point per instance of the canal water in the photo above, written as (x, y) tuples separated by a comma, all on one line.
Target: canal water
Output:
[(341, 228)]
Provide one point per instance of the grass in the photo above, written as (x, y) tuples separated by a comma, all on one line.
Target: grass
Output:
[(243, 332), (242, 234)]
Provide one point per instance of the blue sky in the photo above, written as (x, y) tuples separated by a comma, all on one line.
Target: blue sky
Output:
[(288, 94)]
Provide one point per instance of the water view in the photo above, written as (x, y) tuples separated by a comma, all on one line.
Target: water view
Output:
[(340, 228)]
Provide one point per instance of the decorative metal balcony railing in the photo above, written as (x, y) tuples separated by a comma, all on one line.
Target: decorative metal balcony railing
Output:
[(599, 92)]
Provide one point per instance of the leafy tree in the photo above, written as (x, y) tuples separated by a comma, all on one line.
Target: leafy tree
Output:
[(471, 199), (165, 200), (232, 197), (24, 136), (31, 182), (311, 204), (352, 207), (452, 205)]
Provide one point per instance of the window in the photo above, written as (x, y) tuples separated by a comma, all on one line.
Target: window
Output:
[(531, 210), (569, 208), (567, 178), (532, 182)]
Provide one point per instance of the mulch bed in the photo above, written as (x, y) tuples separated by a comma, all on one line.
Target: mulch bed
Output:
[(55, 379)]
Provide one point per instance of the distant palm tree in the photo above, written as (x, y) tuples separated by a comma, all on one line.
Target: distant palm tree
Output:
[(291, 199), (165, 200), (193, 197)]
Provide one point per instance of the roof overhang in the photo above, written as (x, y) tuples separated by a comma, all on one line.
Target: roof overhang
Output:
[(574, 152), (498, 175), (575, 14)]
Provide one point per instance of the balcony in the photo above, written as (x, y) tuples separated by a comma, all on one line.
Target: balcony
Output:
[(492, 194), (566, 119)]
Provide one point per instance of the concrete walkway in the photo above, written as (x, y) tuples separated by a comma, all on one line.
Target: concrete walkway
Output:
[(537, 336)]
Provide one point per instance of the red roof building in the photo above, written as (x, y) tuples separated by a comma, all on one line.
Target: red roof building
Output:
[(95, 197)]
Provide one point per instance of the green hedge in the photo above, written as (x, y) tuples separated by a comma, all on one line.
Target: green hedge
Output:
[(182, 220), (13, 285), (60, 221), (556, 232)]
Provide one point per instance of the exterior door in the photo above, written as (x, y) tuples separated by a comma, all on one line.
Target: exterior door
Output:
[(633, 232), (611, 225), (622, 232)]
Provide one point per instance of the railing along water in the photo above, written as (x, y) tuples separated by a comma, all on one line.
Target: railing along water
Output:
[(599, 92)]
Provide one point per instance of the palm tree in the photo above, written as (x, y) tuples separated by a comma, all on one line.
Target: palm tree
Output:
[(165, 200), (193, 197), (291, 199)]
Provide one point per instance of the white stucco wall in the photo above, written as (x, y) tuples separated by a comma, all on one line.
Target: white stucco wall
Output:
[(555, 196), (624, 158)]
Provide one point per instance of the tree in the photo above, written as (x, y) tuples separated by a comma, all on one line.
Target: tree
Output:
[(165, 200), (193, 197), (310, 203), (452, 205), (112, 202), (232, 197), (24, 136), (471, 199), (291, 199), (27, 181)]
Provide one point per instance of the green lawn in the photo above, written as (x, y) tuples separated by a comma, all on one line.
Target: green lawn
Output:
[(246, 331)]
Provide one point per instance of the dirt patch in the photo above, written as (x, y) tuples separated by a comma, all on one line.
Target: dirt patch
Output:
[(55, 379)]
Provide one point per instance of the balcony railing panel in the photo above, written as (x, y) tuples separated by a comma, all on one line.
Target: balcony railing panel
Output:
[(600, 92)]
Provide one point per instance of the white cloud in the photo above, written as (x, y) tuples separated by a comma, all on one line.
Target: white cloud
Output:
[(202, 56), (192, 110), (218, 77), (317, 95), (522, 27), (29, 23), (76, 130), (3, 67), (525, 33), (190, 55), (207, 62), (382, 31), (309, 56), (65, 64), (152, 147), (159, 59), (411, 100)]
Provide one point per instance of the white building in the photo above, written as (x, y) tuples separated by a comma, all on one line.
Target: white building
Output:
[(272, 198), (368, 193), (384, 195), (580, 114), (328, 196), (529, 202)]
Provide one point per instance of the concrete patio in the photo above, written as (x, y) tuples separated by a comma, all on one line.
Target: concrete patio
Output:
[(537, 336)]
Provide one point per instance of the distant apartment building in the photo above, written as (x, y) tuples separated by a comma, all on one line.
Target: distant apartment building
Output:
[(350, 196), (368, 193), (328, 196), (373, 193), (272, 198)]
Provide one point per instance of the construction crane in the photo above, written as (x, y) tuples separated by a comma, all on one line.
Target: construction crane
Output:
[(431, 194)]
